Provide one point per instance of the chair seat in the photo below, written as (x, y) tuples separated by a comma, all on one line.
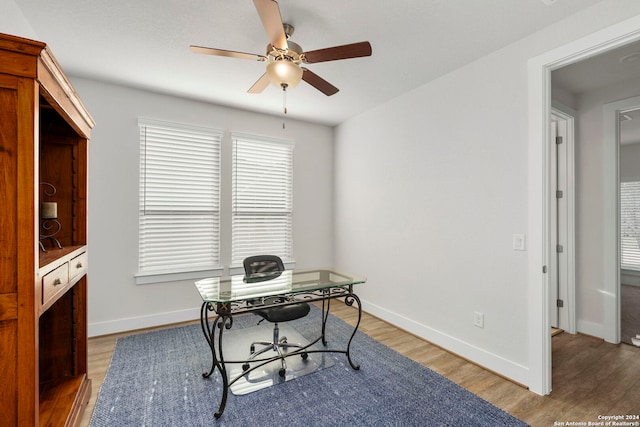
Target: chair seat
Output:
[(284, 313)]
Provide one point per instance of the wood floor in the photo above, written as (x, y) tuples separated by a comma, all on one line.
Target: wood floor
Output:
[(629, 312), (590, 377)]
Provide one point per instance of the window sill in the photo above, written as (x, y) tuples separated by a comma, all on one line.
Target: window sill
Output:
[(176, 276)]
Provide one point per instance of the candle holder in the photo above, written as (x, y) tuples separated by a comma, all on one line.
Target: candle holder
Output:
[(49, 224)]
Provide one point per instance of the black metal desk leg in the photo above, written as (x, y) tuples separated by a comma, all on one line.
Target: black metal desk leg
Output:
[(326, 306), (226, 323), (349, 300), (209, 336), (222, 321)]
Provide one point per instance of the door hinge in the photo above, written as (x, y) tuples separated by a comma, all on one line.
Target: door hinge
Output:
[(559, 194), (559, 249), (544, 268), (559, 303), (558, 140)]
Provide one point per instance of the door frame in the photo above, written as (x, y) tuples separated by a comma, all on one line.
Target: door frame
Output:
[(611, 188), (539, 74)]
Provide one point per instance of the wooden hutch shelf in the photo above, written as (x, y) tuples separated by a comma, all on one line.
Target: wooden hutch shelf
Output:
[(44, 133)]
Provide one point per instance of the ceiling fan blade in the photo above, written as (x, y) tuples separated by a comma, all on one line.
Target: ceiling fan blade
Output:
[(272, 22), (260, 84), (318, 82), (229, 53), (353, 50)]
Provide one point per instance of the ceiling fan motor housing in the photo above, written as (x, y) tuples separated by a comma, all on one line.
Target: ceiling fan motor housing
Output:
[(293, 52)]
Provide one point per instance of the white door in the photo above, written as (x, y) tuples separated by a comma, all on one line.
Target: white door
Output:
[(562, 283)]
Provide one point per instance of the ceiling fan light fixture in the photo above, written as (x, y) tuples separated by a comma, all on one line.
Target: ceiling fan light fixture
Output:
[(283, 72)]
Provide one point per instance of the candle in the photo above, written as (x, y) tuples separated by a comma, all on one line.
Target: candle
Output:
[(49, 210)]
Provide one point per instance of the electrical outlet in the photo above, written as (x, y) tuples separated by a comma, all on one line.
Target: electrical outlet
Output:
[(478, 319)]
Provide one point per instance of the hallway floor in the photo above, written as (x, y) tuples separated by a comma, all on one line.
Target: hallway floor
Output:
[(630, 313)]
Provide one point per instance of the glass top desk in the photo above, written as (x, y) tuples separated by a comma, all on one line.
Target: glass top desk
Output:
[(224, 297)]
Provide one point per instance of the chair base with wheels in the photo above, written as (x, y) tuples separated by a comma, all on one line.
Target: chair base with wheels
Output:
[(279, 344), (262, 268)]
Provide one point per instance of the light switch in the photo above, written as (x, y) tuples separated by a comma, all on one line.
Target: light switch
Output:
[(478, 319), (518, 242)]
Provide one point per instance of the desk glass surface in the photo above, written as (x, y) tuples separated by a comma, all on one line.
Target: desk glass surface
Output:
[(241, 287)]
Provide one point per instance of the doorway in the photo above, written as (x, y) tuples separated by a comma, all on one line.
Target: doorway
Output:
[(540, 197), (629, 139), (622, 152), (599, 183)]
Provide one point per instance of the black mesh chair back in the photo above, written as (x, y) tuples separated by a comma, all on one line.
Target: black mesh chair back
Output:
[(263, 264)]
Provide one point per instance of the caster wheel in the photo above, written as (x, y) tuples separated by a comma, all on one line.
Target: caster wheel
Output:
[(304, 356), (253, 349), (245, 367), (282, 372)]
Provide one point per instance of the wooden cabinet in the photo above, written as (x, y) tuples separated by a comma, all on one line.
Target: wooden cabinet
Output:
[(44, 132)]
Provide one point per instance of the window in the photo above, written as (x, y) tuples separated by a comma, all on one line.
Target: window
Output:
[(262, 198), (630, 225), (179, 218)]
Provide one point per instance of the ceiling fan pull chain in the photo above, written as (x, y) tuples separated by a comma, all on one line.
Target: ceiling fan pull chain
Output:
[(284, 97), (284, 101)]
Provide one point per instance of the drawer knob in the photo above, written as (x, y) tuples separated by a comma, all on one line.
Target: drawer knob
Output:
[(79, 265), (57, 282)]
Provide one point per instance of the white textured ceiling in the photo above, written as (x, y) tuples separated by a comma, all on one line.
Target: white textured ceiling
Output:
[(608, 68), (145, 44)]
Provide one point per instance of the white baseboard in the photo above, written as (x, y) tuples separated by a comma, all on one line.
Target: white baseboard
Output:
[(493, 362), (591, 328), (132, 323)]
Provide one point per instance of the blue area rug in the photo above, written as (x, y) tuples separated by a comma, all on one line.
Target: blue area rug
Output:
[(155, 380)]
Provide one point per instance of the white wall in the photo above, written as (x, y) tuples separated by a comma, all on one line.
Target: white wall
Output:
[(430, 188), (116, 303), (630, 161), (12, 21)]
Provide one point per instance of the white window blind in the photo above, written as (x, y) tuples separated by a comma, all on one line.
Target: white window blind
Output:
[(179, 220), (262, 198), (630, 225)]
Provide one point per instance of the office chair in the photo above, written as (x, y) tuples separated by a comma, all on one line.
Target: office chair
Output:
[(262, 268)]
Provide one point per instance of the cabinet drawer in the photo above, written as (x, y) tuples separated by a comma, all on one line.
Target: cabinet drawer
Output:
[(78, 265), (54, 281)]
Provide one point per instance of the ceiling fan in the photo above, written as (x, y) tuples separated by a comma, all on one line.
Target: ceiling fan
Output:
[(283, 57)]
